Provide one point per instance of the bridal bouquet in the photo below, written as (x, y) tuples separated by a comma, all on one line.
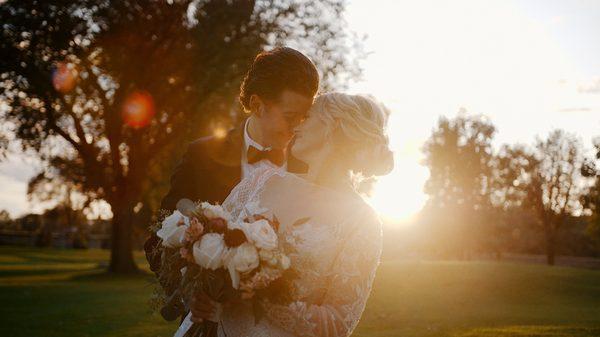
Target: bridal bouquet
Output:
[(224, 258)]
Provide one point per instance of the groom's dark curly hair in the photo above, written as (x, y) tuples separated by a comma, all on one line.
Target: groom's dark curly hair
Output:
[(276, 70)]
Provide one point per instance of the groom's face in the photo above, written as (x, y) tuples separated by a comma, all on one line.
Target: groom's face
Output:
[(279, 117)]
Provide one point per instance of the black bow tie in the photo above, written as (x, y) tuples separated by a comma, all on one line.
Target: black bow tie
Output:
[(255, 155)]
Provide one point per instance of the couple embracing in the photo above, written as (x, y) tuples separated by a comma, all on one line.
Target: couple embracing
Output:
[(300, 157)]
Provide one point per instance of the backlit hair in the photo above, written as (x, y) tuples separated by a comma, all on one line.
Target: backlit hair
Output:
[(359, 122)]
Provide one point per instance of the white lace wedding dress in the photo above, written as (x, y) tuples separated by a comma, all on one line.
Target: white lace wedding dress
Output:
[(337, 253)]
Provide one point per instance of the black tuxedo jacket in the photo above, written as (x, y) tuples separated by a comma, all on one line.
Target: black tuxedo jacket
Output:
[(208, 171)]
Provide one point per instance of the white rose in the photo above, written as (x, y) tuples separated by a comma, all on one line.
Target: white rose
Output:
[(171, 232), (241, 259), (245, 258), (210, 250), (215, 211), (261, 234), (285, 262), (268, 256)]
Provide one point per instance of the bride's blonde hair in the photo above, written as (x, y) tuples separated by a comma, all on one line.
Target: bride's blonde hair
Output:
[(357, 126)]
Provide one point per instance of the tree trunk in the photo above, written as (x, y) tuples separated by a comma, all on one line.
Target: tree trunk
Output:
[(121, 255)]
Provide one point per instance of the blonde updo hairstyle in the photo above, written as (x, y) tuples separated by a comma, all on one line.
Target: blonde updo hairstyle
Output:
[(356, 124)]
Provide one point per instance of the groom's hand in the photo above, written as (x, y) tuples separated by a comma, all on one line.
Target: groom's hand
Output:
[(204, 308)]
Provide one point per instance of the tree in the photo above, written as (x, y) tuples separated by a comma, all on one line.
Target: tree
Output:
[(553, 190), (5, 216), (511, 164), (591, 199), (459, 156), (6, 221), (108, 92), (551, 182), (65, 220), (50, 186)]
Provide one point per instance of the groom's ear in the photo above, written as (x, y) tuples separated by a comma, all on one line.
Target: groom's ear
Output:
[(256, 105)]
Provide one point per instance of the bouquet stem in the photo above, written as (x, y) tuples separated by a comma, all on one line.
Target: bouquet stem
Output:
[(204, 329)]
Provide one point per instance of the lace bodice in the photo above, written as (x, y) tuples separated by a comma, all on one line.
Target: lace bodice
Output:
[(244, 198), (337, 253)]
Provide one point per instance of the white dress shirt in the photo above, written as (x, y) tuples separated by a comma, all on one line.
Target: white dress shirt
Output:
[(248, 141)]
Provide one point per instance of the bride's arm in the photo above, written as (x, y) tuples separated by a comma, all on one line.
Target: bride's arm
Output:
[(354, 270)]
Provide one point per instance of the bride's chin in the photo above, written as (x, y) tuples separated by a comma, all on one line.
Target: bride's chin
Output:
[(294, 151), (297, 152)]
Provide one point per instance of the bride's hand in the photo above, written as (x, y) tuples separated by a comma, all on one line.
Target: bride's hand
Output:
[(204, 308)]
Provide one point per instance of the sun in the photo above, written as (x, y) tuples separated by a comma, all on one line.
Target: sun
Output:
[(398, 197)]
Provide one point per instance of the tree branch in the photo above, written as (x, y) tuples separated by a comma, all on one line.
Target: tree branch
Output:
[(52, 125)]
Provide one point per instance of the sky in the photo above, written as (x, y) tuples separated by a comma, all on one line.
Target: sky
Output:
[(529, 66)]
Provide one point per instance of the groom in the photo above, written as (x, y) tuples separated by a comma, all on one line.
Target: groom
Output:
[(277, 92)]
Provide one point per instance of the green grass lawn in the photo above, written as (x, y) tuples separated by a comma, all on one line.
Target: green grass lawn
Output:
[(52, 292)]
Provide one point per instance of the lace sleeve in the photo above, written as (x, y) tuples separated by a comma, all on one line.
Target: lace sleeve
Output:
[(248, 190), (348, 290)]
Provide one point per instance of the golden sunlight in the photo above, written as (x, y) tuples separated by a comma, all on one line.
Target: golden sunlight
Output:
[(398, 197), (476, 64)]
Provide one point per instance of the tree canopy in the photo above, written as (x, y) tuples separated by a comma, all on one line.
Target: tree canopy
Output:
[(108, 92)]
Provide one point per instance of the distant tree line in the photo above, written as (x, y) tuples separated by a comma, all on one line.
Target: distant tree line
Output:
[(484, 199), (60, 226)]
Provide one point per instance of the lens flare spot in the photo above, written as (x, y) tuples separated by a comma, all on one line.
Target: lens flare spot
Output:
[(219, 132), (138, 109), (64, 77)]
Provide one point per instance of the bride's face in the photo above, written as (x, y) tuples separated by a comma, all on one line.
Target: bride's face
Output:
[(309, 138)]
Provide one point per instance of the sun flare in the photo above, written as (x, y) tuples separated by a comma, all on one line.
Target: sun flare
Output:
[(398, 197), (516, 74)]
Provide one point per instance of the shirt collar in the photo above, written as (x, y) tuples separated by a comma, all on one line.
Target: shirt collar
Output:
[(248, 141)]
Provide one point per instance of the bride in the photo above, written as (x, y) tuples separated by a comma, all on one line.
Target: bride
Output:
[(337, 248)]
